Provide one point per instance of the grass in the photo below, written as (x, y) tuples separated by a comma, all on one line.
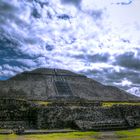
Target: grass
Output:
[(110, 104), (55, 136), (8, 137), (133, 134), (120, 135), (104, 104), (65, 136), (45, 103)]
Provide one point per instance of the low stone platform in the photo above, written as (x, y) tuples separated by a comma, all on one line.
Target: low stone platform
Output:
[(27, 132), (6, 131)]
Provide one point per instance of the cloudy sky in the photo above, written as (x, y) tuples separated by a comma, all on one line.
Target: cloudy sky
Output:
[(99, 38)]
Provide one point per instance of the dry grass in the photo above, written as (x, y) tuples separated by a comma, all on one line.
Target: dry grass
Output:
[(110, 104)]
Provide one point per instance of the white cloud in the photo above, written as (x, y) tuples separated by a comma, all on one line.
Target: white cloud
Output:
[(27, 62), (134, 90), (126, 82)]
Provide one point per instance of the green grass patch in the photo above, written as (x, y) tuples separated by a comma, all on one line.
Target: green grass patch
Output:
[(110, 104), (8, 137), (65, 136), (45, 103), (133, 134), (55, 136)]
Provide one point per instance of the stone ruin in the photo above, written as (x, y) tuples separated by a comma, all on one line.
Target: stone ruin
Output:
[(58, 99)]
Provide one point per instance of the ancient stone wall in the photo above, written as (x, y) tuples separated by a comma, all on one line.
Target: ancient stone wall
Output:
[(15, 113), (83, 115), (88, 117)]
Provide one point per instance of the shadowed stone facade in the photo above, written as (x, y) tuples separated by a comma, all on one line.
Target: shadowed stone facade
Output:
[(89, 117)]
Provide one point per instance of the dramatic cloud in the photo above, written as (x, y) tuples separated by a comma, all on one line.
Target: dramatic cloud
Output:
[(129, 60), (98, 38), (75, 2)]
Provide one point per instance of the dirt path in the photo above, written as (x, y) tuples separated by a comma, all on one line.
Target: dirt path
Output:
[(107, 135)]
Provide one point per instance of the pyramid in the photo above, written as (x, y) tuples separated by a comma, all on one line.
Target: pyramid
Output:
[(59, 99), (44, 84)]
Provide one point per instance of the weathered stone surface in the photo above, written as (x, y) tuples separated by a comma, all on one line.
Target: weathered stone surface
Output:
[(14, 113), (70, 101), (42, 84), (88, 117)]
